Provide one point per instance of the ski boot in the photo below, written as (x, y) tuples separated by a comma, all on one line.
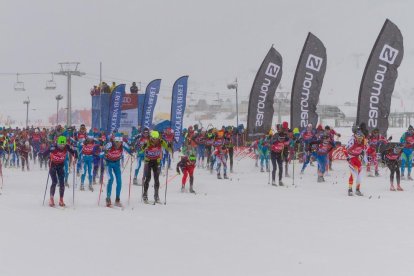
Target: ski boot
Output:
[(350, 192), (409, 178), (358, 193), (192, 190), (66, 184), (392, 188), (218, 176), (52, 202), (323, 179), (90, 188), (94, 182), (157, 199), (135, 181), (118, 202), (82, 187), (274, 183), (182, 188), (261, 169), (145, 198), (281, 183), (377, 173), (61, 203), (287, 174), (320, 179), (225, 176), (267, 170), (399, 188), (402, 177), (108, 202)]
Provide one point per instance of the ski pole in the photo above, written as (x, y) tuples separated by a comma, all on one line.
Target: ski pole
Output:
[(268, 169), (100, 188), (73, 184), (143, 180), (166, 186), (126, 164), (130, 180), (1, 174), (293, 174), (47, 182)]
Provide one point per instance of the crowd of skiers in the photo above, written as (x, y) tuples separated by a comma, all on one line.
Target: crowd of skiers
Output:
[(317, 145), (91, 153)]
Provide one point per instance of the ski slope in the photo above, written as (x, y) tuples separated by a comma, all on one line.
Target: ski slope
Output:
[(240, 226)]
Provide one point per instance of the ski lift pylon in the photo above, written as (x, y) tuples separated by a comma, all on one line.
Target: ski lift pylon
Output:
[(19, 85), (50, 84)]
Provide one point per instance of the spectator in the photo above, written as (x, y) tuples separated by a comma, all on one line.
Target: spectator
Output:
[(134, 89), (105, 88), (95, 91), (113, 86)]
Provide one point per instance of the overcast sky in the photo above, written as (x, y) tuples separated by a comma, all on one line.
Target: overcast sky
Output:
[(212, 41)]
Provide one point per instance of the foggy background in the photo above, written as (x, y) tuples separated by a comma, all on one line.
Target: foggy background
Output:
[(211, 41)]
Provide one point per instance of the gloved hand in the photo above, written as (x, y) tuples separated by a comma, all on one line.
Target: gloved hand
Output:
[(178, 172)]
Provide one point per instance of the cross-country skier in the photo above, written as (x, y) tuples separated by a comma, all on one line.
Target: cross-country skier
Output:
[(306, 137), (58, 153), (229, 143), (322, 147), (407, 153), (113, 154), (88, 149), (218, 143), (220, 154), (153, 155), (139, 148), (332, 133), (187, 166), (375, 139), (277, 148), (23, 149), (392, 158), (200, 140), (355, 150)]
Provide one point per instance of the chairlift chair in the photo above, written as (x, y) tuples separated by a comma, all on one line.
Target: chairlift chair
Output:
[(19, 85), (50, 84)]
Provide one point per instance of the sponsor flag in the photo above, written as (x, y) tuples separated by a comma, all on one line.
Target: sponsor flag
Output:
[(380, 74), (105, 104), (141, 100), (260, 113), (178, 101), (96, 109), (129, 113), (115, 108), (151, 95), (307, 83)]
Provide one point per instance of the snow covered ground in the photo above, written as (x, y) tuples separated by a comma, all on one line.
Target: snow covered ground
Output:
[(241, 226)]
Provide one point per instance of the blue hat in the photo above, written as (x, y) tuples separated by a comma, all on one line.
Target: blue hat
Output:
[(118, 137)]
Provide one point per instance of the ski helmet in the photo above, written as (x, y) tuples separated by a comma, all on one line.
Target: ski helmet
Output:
[(61, 140), (155, 134)]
